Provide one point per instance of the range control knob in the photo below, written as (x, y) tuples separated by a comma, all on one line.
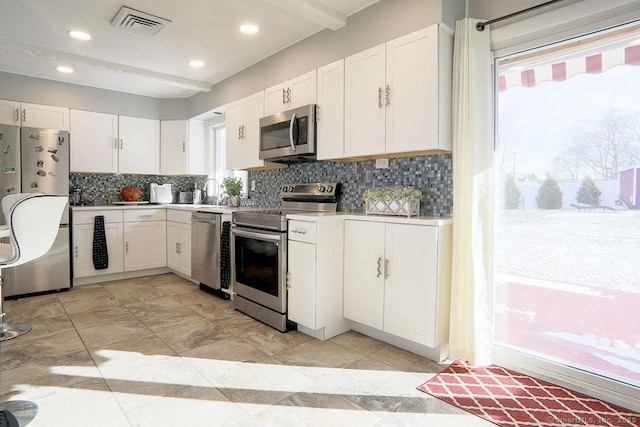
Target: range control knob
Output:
[(322, 189), (329, 188), (284, 189)]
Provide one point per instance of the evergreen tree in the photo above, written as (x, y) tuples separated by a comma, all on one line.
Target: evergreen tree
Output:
[(549, 196), (511, 193), (589, 192)]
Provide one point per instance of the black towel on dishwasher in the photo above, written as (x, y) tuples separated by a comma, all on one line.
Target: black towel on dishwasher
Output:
[(100, 254), (225, 256)]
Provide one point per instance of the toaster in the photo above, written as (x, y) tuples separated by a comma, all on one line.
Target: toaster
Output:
[(160, 193)]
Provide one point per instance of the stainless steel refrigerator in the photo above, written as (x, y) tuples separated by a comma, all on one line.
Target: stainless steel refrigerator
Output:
[(37, 161)]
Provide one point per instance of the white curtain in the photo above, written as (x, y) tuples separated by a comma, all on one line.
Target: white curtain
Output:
[(471, 326)]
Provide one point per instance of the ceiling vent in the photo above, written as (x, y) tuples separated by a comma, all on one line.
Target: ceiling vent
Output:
[(139, 22)]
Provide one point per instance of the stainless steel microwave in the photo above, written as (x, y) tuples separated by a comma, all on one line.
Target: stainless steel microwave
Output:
[(290, 136)]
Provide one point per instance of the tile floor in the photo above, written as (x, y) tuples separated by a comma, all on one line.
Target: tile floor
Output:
[(157, 351)]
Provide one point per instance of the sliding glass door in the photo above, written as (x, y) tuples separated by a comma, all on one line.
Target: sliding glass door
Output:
[(568, 225)]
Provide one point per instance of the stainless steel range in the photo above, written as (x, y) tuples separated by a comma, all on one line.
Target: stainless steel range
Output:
[(259, 251)]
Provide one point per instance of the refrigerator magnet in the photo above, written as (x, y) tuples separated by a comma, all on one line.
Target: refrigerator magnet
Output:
[(35, 136), (40, 164), (53, 173), (54, 157), (9, 189), (34, 185), (7, 149), (39, 148), (9, 170), (52, 150), (41, 172), (61, 140)]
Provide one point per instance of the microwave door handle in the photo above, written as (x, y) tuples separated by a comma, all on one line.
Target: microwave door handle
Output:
[(293, 120)]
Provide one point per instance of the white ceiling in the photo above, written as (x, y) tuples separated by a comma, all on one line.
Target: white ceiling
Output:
[(34, 40)]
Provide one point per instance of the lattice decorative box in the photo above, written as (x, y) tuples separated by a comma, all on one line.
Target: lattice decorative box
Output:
[(399, 201)]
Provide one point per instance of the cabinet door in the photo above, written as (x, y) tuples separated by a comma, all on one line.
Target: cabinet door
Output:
[(363, 275), (173, 147), (9, 113), (302, 283), (303, 90), (83, 250), (276, 99), (364, 103), (179, 247), (234, 144), (330, 111), (93, 142), (139, 145), (145, 245), (45, 116), (197, 148), (411, 284), (412, 81), (254, 111)]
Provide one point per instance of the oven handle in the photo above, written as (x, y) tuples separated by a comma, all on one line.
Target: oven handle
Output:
[(258, 235), (293, 120)]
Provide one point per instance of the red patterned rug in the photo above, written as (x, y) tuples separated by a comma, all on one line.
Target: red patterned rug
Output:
[(507, 398)]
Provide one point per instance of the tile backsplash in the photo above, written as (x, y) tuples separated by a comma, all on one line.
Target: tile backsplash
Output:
[(431, 174), (107, 187)]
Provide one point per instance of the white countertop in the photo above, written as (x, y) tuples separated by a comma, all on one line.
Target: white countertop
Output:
[(419, 220), (181, 206)]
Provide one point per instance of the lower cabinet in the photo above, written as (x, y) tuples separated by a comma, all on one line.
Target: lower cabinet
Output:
[(396, 280), (82, 251), (179, 241), (145, 239)]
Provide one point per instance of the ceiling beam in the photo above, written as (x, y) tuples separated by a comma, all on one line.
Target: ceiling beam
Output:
[(314, 11)]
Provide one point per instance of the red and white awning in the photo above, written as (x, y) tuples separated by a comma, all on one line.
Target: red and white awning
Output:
[(560, 71)]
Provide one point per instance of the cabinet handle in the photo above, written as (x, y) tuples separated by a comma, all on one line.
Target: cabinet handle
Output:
[(115, 143), (288, 280), (24, 115), (17, 115), (296, 231), (178, 249), (284, 96), (288, 95), (126, 248), (184, 146), (121, 143), (243, 131), (386, 268), (76, 252), (379, 97), (379, 269), (387, 95)]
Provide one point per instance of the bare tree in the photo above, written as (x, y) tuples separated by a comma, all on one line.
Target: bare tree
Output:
[(606, 146), (566, 165), (508, 128)]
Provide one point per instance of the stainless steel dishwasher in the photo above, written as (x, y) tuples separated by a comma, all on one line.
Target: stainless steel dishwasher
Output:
[(206, 228)]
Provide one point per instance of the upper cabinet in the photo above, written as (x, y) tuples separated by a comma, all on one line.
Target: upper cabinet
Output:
[(243, 132), (182, 147), (330, 111), (34, 115), (294, 93), (94, 142), (397, 96), (139, 146)]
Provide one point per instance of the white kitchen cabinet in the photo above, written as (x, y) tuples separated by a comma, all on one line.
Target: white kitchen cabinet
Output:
[(94, 142), (182, 147), (179, 241), (82, 236), (398, 96), (9, 113), (34, 115), (242, 122), (145, 239), (330, 111), (397, 279), (293, 93), (314, 276), (139, 145)]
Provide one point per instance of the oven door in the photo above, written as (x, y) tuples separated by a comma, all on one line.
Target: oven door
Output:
[(258, 266)]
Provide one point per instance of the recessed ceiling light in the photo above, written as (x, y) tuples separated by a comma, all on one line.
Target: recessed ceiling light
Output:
[(249, 29), (64, 69), (79, 35), (196, 64)]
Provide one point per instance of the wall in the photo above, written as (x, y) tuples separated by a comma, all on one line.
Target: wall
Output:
[(431, 174), (48, 92)]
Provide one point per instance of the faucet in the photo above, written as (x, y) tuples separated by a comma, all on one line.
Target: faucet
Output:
[(206, 185)]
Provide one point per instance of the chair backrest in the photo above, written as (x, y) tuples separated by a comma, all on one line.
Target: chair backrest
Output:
[(34, 220)]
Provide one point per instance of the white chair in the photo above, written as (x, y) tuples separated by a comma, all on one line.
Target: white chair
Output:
[(32, 226)]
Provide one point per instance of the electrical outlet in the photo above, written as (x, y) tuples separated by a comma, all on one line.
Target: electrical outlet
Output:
[(382, 163), (253, 185)]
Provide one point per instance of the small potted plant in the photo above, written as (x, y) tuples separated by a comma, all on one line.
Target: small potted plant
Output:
[(232, 187)]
